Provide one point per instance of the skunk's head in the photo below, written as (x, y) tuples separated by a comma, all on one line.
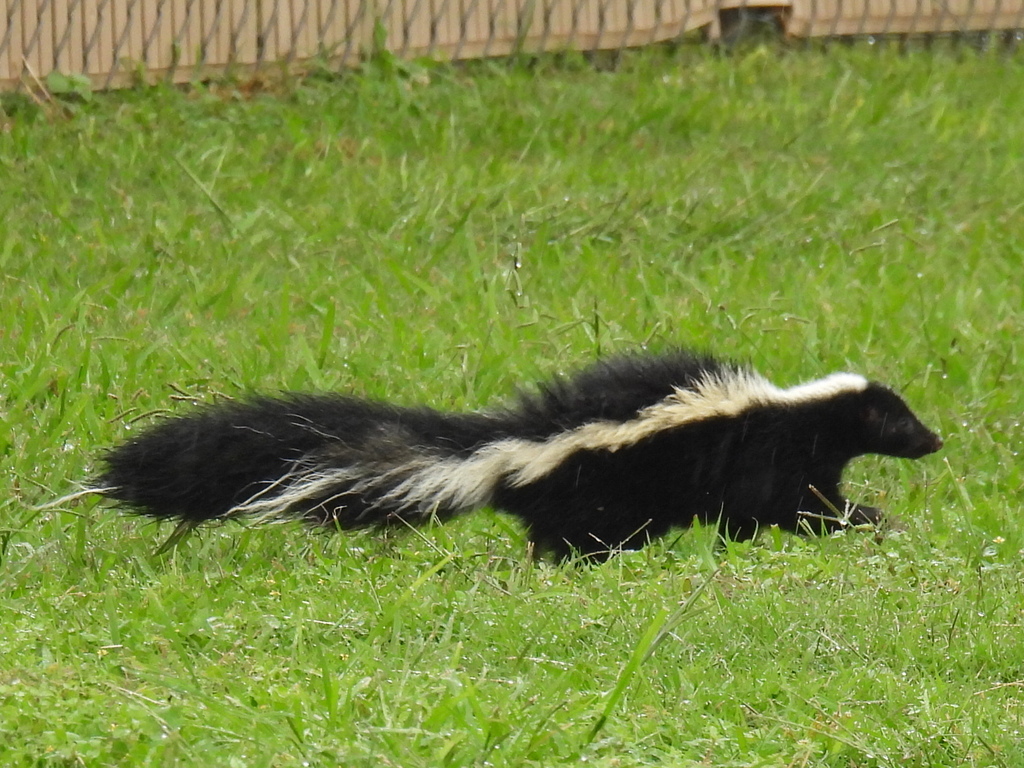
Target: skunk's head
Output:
[(886, 425)]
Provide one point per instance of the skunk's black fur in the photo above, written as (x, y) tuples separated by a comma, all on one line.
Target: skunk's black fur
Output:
[(607, 459)]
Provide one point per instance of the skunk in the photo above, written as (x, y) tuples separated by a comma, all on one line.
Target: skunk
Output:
[(607, 459)]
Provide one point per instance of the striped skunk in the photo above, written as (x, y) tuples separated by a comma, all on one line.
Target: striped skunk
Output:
[(607, 459)]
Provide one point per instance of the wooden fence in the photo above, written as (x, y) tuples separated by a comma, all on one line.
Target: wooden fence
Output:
[(117, 42)]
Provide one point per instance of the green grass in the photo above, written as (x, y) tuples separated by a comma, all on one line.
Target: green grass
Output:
[(443, 236)]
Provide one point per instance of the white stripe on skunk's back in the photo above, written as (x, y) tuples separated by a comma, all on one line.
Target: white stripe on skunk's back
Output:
[(429, 482)]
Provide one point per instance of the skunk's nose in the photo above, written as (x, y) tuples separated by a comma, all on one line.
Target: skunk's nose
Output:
[(936, 444)]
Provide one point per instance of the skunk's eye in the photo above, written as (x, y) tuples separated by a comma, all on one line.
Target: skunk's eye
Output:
[(898, 426)]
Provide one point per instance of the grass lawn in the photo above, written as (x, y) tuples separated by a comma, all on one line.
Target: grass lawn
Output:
[(444, 236)]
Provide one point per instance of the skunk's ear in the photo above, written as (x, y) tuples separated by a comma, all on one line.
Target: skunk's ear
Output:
[(870, 414)]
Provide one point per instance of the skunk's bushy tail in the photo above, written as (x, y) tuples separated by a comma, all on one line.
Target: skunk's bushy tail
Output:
[(327, 459)]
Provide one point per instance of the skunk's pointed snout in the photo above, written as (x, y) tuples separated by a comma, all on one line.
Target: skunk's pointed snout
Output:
[(927, 444)]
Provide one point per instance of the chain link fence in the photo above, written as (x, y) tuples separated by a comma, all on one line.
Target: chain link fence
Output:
[(119, 42)]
